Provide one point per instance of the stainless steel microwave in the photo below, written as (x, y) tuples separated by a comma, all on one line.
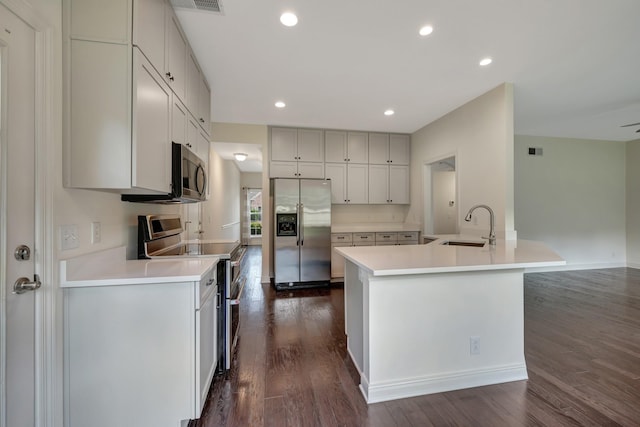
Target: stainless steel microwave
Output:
[(188, 180)]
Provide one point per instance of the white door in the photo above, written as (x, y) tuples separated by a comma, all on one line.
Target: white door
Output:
[(17, 160)]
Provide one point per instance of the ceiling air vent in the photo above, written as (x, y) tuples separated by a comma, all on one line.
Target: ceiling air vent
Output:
[(206, 5)]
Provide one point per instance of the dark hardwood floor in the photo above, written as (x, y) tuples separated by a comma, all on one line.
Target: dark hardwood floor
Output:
[(582, 346)]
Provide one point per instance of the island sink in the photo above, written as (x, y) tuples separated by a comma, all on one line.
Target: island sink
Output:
[(463, 243)]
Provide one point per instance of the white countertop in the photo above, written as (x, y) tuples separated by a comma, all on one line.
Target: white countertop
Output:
[(374, 227), (111, 268), (437, 258)]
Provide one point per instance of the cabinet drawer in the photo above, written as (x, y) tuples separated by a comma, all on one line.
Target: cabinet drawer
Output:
[(408, 235), (367, 238), (341, 238), (386, 237), (207, 285)]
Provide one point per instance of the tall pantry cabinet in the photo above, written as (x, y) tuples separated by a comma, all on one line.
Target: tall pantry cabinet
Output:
[(127, 65)]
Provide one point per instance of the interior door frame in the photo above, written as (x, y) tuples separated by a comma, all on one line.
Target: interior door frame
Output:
[(48, 301), (427, 208)]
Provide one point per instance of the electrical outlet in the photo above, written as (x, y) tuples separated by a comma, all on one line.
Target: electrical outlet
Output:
[(474, 345), (96, 232), (69, 238)]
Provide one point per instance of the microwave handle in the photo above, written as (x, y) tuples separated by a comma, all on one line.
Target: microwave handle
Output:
[(199, 172)]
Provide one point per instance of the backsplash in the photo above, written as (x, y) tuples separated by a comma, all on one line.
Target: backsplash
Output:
[(355, 214)]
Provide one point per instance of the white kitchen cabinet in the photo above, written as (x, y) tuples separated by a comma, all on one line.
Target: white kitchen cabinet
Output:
[(149, 18), (179, 120), (151, 146), (305, 145), (296, 153), (204, 104), (388, 184), (116, 129), (389, 149), (192, 100), (348, 182), (343, 147), (175, 71), (141, 354)]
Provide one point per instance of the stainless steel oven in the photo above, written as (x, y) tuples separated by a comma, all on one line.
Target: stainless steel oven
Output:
[(237, 283), (159, 237)]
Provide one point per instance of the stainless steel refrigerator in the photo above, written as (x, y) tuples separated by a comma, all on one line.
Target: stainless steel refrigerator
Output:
[(302, 232)]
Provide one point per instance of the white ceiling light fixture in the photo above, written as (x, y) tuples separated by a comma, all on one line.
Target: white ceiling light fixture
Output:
[(241, 157), (485, 61), (280, 104), (426, 30), (389, 112), (289, 19)]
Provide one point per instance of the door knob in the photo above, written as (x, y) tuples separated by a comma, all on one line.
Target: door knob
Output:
[(23, 284), (22, 253)]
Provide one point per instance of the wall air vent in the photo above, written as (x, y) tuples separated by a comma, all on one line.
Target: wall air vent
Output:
[(206, 5), (535, 151)]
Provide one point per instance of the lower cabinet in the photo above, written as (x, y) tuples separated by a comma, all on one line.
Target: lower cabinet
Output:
[(142, 355), (366, 239)]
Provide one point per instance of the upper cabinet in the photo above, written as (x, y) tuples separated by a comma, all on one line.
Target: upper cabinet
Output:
[(127, 95), (175, 70), (298, 145), (345, 147), (389, 149)]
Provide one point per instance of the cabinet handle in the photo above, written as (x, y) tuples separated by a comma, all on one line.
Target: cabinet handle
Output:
[(168, 73), (345, 160), (201, 120), (348, 160)]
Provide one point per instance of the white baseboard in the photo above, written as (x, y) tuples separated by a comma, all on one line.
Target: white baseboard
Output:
[(391, 390)]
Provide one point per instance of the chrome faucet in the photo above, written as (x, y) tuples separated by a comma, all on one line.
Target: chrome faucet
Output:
[(492, 233)]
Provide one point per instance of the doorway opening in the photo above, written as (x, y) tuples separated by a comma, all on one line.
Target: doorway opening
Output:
[(253, 216), (441, 196)]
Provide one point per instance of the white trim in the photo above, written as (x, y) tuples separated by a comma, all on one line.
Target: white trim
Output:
[(418, 386), (3, 246), (48, 305)]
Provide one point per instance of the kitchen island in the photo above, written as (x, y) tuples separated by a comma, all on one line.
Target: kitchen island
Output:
[(431, 318)]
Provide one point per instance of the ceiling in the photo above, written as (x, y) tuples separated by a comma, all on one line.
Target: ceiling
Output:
[(574, 64)]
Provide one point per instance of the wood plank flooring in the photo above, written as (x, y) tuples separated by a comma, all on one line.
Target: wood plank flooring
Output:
[(582, 346)]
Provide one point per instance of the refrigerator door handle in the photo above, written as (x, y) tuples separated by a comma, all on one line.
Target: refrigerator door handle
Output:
[(297, 224), (301, 223)]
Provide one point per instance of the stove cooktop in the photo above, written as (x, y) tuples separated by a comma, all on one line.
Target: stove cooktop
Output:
[(221, 249)]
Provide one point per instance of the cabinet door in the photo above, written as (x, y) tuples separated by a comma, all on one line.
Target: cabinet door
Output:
[(176, 64), (152, 128), (335, 146), (310, 170), (192, 100), (193, 133), (283, 170), (378, 148), (204, 110), (357, 183), (378, 184), (148, 30), (337, 260), (310, 145), (337, 173), (283, 144), (179, 122), (399, 149), (399, 185), (358, 147), (205, 348), (202, 149)]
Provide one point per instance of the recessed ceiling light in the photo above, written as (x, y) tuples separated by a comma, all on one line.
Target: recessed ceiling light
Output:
[(485, 61), (241, 157), (426, 30), (389, 113), (288, 19), (280, 104)]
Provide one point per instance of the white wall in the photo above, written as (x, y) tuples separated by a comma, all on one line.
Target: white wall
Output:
[(253, 134), (480, 136), (573, 198), (633, 203), (221, 212), (251, 180)]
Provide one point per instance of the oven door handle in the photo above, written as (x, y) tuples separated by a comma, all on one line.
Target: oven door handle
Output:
[(236, 300), (236, 263)]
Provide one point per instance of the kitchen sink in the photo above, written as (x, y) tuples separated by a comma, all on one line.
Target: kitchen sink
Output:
[(463, 243)]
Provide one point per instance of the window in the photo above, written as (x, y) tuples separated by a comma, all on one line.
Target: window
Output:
[(254, 202)]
